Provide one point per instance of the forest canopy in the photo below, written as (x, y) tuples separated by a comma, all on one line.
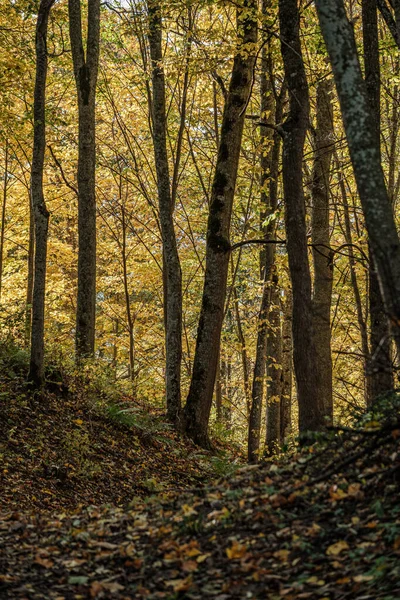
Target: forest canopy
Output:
[(200, 198)]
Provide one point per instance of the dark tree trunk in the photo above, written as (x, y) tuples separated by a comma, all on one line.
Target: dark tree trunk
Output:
[(85, 71), (274, 371), (41, 214), (31, 267), (3, 214), (172, 277), (295, 128), (269, 165), (380, 363), (322, 255), (364, 152), (356, 291), (287, 360), (198, 405)]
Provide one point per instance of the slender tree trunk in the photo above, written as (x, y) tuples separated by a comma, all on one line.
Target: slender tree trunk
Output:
[(128, 300), (243, 350), (364, 152), (172, 276), (198, 405), (269, 164), (380, 363), (322, 254), (295, 127), (356, 291), (31, 266), (3, 214), (274, 371), (287, 360), (85, 71), (41, 214)]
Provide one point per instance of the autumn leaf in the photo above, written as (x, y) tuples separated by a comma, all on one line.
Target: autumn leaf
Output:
[(337, 548), (236, 550)]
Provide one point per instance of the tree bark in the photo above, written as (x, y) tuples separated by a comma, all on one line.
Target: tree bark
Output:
[(274, 371), (364, 152), (269, 165), (322, 255), (31, 268), (198, 405), (172, 276), (287, 360), (295, 127), (85, 71), (3, 213), (380, 363), (41, 214), (356, 291)]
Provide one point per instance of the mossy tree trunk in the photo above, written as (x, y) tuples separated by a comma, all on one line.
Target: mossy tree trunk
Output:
[(364, 152), (198, 405)]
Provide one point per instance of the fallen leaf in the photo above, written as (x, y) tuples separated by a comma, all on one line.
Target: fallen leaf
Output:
[(337, 548)]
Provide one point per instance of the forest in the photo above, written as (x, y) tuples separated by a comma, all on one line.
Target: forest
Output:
[(199, 299)]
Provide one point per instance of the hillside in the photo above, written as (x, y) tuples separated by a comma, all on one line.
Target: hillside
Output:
[(322, 524), (62, 449)]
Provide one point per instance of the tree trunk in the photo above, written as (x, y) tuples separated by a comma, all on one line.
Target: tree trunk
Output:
[(198, 405), (41, 214), (287, 360), (269, 165), (85, 71), (3, 214), (172, 276), (274, 371), (322, 254), (129, 316), (295, 128), (243, 350), (31, 267), (364, 152), (380, 363), (356, 291)]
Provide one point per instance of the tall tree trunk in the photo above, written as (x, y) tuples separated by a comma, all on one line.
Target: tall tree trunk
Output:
[(31, 267), (356, 291), (85, 71), (198, 405), (269, 165), (295, 128), (380, 363), (274, 371), (41, 214), (364, 152), (243, 349), (3, 214), (287, 360), (129, 316), (172, 276), (322, 254)]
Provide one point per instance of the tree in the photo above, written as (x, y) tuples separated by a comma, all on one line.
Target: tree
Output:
[(364, 152), (171, 265), (322, 253), (271, 105), (379, 367), (294, 133), (85, 71), (198, 405), (41, 214)]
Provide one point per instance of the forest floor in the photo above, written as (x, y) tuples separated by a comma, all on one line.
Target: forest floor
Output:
[(92, 508)]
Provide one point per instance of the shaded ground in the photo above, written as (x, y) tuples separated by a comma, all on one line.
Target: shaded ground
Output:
[(324, 524), (59, 451)]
